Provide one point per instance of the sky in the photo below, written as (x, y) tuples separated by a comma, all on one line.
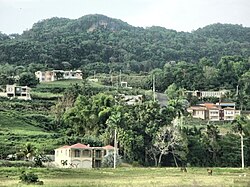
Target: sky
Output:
[(17, 16)]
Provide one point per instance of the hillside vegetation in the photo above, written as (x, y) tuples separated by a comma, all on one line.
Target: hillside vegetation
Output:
[(111, 44)]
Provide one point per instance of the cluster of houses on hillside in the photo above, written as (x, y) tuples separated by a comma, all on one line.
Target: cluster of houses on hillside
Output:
[(222, 111), (81, 156), (23, 92), (207, 111)]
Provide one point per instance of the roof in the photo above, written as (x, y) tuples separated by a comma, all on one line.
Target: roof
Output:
[(79, 145), (229, 108), (226, 103), (63, 147), (209, 105), (108, 147), (197, 108), (83, 146)]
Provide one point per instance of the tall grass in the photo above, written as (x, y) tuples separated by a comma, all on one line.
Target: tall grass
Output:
[(135, 177)]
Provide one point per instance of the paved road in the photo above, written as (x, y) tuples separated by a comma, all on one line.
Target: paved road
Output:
[(162, 98)]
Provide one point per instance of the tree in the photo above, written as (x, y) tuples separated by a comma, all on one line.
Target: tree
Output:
[(114, 122), (63, 104), (243, 96), (59, 75), (108, 160), (4, 80), (238, 127), (211, 140), (173, 92), (167, 140), (28, 79), (28, 151)]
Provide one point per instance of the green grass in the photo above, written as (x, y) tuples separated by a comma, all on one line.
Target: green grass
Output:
[(11, 121), (16, 131), (16, 123), (45, 95), (130, 177), (59, 83)]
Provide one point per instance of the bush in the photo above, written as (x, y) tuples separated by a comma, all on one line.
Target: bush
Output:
[(108, 160), (30, 178)]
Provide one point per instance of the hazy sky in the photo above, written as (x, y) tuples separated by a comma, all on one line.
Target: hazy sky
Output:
[(181, 15)]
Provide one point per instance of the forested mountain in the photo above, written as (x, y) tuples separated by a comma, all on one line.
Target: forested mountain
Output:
[(112, 44)]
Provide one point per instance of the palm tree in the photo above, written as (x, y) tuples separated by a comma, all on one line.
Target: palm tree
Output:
[(179, 109), (28, 151)]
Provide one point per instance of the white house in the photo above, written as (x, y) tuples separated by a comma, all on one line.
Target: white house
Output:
[(81, 156), (48, 76), (19, 92)]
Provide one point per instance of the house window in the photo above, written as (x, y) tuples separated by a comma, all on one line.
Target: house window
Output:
[(98, 154), (86, 153), (77, 153)]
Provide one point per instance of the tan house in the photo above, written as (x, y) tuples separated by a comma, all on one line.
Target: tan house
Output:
[(19, 92), (81, 156), (48, 76), (198, 112), (214, 112)]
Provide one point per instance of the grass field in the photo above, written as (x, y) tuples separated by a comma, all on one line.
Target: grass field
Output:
[(16, 131), (60, 83), (147, 177)]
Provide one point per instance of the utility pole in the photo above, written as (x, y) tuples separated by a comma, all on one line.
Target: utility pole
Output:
[(120, 77), (242, 151), (115, 150), (237, 91), (111, 80), (154, 87)]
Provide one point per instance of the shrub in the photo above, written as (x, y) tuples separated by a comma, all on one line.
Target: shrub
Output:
[(108, 160), (30, 178), (136, 164)]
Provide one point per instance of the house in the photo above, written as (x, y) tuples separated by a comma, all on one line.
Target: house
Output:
[(19, 92), (81, 156), (48, 76), (198, 112), (214, 112), (207, 94)]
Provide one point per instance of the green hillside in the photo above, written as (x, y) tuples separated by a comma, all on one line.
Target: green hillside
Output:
[(110, 44), (18, 128)]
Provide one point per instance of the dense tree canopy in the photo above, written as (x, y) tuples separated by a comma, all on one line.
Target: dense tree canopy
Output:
[(117, 45)]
